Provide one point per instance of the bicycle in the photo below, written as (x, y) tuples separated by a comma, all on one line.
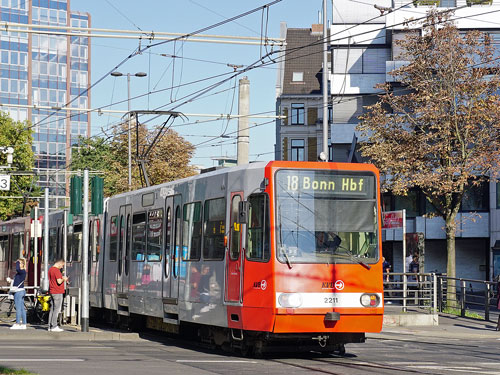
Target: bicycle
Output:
[(8, 309)]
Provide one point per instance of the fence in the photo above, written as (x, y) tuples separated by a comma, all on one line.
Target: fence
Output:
[(430, 292)]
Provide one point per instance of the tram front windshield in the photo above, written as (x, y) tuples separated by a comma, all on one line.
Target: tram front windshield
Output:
[(325, 216)]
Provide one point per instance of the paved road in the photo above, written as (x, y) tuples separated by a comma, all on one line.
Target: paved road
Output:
[(456, 346)]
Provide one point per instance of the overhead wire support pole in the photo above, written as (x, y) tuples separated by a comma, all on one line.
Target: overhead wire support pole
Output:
[(325, 153), (85, 254), (45, 281)]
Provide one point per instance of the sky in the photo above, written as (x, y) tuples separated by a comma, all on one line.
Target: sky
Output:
[(196, 61)]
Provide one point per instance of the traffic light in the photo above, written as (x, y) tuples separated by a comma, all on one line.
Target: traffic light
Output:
[(75, 201), (97, 195)]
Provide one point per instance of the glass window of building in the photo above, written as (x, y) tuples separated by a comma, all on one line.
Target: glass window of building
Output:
[(298, 111), (498, 194), (298, 148)]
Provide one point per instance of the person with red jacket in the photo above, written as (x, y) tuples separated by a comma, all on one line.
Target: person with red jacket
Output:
[(56, 290)]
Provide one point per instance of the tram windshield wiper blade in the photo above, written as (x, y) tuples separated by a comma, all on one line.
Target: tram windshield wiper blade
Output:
[(287, 259), (353, 258)]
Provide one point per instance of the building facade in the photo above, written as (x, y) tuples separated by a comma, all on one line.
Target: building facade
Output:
[(41, 72), (362, 51)]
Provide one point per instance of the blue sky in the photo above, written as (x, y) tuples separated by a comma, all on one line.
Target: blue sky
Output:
[(186, 16)]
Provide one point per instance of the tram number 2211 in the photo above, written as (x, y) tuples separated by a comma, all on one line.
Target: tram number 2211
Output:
[(331, 300)]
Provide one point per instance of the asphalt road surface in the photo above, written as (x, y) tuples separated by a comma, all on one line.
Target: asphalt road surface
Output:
[(392, 353)]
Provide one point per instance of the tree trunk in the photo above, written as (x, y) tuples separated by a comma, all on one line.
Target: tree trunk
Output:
[(451, 264)]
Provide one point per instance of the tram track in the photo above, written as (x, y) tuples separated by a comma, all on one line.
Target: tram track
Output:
[(351, 365)]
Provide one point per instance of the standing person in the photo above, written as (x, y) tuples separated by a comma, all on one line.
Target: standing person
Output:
[(56, 290), (19, 294), (386, 266)]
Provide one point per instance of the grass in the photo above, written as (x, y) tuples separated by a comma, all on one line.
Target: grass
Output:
[(468, 314), (11, 371)]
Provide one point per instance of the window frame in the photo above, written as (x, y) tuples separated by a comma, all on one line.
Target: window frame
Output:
[(222, 227), (297, 113), (186, 250)]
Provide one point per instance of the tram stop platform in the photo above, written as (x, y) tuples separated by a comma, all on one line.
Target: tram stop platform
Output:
[(70, 333), (394, 316), (450, 327)]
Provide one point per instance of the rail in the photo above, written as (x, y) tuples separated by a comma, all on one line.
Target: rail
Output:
[(34, 290)]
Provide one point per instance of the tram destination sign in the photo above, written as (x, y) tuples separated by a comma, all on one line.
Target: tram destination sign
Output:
[(325, 183)]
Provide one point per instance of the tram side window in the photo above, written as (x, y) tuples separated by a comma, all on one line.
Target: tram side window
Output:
[(138, 236), (155, 234), (4, 246), (52, 245), (191, 234), (77, 243), (69, 240), (113, 237), (214, 229), (95, 239), (258, 228)]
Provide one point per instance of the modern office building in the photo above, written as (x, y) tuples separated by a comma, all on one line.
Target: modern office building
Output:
[(40, 73), (362, 51)]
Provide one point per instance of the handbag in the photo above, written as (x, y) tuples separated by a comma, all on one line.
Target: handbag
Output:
[(14, 289)]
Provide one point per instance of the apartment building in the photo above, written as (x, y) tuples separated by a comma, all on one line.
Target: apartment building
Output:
[(362, 52)]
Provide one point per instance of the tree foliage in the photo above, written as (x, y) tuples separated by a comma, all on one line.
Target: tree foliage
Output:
[(440, 130), (168, 159), (17, 135)]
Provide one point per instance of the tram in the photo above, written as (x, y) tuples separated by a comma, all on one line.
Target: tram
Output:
[(260, 257)]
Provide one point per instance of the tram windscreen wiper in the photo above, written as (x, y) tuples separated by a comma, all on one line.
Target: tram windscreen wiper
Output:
[(353, 258)]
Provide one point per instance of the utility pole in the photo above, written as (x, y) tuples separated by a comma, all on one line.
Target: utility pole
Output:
[(324, 154), (85, 254), (45, 281), (243, 112), (138, 74), (35, 244)]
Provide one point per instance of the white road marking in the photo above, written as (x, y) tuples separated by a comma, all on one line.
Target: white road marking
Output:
[(470, 370), (211, 361), (54, 347), (42, 360)]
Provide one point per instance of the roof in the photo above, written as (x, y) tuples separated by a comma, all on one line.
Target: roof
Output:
[(303, 54)]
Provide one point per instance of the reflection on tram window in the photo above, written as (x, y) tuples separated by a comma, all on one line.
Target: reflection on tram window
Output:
[(191, 231), (258, 228), (214, 229), (138, 236), (155, 234)]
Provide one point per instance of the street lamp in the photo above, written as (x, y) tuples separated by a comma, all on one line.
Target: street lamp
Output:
[(138, 74), (9, 151)]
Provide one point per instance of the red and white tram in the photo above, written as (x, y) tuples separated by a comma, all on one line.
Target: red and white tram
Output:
[(255, 257)]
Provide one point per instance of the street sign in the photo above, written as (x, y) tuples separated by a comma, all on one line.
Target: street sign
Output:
[(392, 219), (5, 182), (36, 229)]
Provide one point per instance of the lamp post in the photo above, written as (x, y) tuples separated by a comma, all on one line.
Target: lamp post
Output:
[(138, 74)]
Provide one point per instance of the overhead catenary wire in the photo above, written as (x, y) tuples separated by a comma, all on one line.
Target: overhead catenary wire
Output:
[(344, 30)]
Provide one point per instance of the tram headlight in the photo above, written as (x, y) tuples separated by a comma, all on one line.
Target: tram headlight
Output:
[(370, 300), (290, 300)]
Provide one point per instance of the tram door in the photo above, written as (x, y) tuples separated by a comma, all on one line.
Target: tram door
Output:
[(234, 258), (124, 231), (172, 248)]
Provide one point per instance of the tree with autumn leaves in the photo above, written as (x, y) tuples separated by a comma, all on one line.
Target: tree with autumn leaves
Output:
[(440, 129), (168, 159)]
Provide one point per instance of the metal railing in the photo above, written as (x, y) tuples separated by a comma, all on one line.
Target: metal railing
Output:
[(472, 295), (411, 290), (429, 292)]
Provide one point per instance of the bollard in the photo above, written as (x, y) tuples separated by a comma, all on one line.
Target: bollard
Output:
[(462, 299), (487, 302)]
